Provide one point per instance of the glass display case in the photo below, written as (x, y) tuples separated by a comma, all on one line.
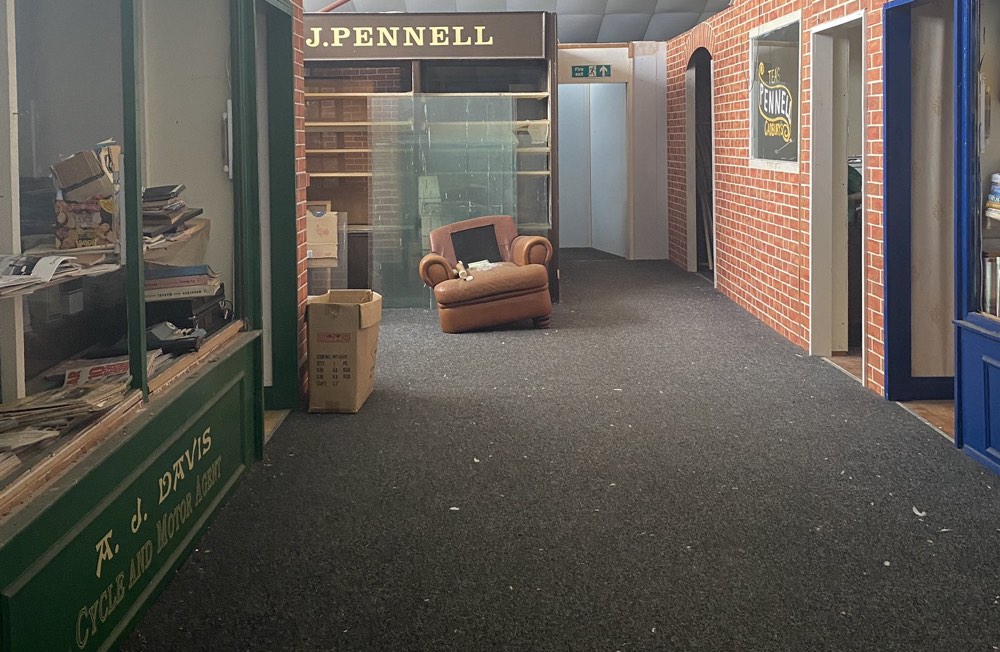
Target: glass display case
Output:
[(131, 356), (401, 146)]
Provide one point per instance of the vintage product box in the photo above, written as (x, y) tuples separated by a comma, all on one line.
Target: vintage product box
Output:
[(322, 233), (343, 340), (81, 177), (85, 223)]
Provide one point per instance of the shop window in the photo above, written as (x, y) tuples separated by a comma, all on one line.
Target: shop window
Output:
[(774, 92)]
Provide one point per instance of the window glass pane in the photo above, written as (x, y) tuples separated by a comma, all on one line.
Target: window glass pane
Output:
[(63, 311), (188, 208), (989, 92), (774, 111)]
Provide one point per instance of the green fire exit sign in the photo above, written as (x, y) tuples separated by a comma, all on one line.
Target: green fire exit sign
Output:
[(592, 71)]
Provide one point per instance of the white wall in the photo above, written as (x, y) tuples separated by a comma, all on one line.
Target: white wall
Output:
[(186, 89), (263, 151), (855, 99), (574, 165), (59, 76), (648, 136), (609, 168)]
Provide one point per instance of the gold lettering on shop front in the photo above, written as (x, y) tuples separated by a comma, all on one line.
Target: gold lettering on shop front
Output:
[(382, 37)]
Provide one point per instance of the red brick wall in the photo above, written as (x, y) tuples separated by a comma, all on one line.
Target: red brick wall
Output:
[(301, 182), (762, 216)]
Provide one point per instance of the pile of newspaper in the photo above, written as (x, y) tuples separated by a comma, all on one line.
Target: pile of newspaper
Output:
[(32, 423), (21, 273)]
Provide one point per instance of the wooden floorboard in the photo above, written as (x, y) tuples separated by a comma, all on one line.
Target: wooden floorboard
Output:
[(272, 419), (940, 414)]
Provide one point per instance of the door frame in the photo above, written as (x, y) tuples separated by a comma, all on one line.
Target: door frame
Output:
[(900, 384), (690, 154), (823, 231)]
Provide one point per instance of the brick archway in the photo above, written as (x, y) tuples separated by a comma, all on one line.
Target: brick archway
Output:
[(702, 36)]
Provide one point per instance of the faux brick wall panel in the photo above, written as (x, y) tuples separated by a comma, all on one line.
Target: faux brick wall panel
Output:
[(763, 217)]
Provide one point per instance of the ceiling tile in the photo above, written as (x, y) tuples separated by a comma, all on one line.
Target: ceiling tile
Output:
[(680, 6), (579, 28), (531, 5), (474, 6), (365, 6), (663, 27), (619, 28), (316, 5), (717, 5), (425, 6), (631, 6), (566, 7)]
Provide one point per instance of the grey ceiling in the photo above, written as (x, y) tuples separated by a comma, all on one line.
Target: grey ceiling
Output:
[(580, 21)]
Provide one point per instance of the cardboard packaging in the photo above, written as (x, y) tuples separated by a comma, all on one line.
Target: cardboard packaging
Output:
[(322, 234), (85, 223), (81, 177), (343, 340)]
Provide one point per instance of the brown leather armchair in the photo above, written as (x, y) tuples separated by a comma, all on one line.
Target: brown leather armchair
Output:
[(515, 289)]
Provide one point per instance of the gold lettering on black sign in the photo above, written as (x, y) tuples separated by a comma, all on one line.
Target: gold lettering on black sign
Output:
[(394, 36)]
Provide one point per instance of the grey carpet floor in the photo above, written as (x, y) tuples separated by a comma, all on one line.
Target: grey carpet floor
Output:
[(658, 471)]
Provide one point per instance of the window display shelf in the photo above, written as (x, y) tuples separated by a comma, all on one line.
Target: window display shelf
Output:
[(340, 150), (360, 125), (517, 95), (332, 175), (332, 96)]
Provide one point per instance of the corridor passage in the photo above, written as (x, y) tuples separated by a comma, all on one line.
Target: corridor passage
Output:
[(659, 471)]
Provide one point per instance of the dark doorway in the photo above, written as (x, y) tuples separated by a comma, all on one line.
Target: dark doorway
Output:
[(701, 62)]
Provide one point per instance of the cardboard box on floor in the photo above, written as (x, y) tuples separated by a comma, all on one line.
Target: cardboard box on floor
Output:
[(343, 341)]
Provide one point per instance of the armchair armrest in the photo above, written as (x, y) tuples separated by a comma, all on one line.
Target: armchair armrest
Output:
[(435, 268), (528, 249)]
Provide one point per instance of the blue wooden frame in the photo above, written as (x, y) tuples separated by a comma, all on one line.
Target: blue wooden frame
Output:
[(900, 384)]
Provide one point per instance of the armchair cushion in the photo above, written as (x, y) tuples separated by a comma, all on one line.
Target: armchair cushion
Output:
[(506, 280)]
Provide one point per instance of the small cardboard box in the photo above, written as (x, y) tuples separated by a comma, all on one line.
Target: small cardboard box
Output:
[(322, 232), (343, 341), (81, 177)]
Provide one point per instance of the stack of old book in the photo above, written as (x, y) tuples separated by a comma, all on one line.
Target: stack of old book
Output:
[(993, 199), (167, 283), (164, 209)]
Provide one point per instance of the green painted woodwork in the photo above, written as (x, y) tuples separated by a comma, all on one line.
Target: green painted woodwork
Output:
[(246, 199), (131, 195), (284, 391), (80, 562), (282, 5)]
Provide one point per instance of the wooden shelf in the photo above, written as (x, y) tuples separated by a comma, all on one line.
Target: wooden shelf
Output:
[(342, 150), (357, 126), (329, 175), (533, 173), (331, 96), (520, 95), (536, 149)]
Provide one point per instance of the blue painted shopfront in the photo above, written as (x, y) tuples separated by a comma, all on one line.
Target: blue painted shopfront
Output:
[(976, 154)]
